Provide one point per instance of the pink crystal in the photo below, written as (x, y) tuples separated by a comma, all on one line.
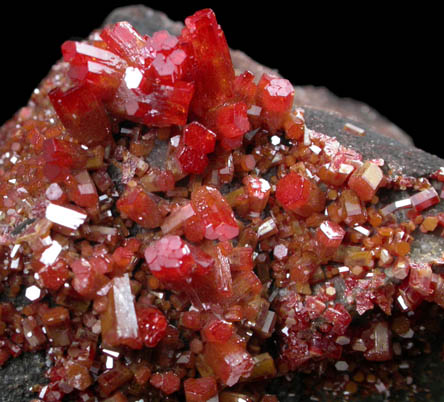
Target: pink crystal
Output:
[(172, 259)]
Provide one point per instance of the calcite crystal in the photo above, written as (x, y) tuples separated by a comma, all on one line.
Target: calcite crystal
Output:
[(183, 232)]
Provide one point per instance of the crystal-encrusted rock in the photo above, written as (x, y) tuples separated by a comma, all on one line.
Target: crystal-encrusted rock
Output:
[(257, 228)]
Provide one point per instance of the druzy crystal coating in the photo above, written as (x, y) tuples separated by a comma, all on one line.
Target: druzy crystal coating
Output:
[(169, 220)]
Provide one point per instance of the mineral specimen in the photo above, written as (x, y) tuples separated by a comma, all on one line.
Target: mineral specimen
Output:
[(184, 232)]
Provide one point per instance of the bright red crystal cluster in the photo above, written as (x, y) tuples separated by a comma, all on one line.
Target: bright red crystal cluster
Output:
[(181, 233)]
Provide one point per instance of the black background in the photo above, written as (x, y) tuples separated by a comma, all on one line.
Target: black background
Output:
[(387, 58)]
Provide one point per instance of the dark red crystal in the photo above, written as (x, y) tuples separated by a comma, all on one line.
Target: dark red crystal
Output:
[(83, 114), (140, 207), (152, 325), (215, 212), (214, 75)]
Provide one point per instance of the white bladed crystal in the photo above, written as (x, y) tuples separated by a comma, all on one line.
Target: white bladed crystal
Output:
[(126, 319), (65, 216), (49, 256)]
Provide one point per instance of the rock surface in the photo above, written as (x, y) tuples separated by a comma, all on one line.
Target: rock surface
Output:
[(326, 114)]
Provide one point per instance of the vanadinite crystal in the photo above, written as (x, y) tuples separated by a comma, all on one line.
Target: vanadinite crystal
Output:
[(179, 233)]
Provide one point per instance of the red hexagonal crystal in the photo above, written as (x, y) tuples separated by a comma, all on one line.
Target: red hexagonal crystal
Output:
[(275, 96), (258, 191), (123, 40), (215, 212), (295, 352), (200, 389), (82, 113), (275, 93), (217, 331), (352, 208), (60, 157), (86, 281), (294, 125), (231, 120), (169, 59), (241, 259), (229, 360), (111, 380), (123, 258), (161, 41), (94, 66), (339, 317), (140, 207), (192, 160), (366, 180), (82, 190), (302, 268), (215, 74), (54, 276), (152, 325), (155, 180), (330, 234), (170, 258), (293, 191), (245, 88), (191, 320), (78, 376), (199, 138), (168, 382)]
